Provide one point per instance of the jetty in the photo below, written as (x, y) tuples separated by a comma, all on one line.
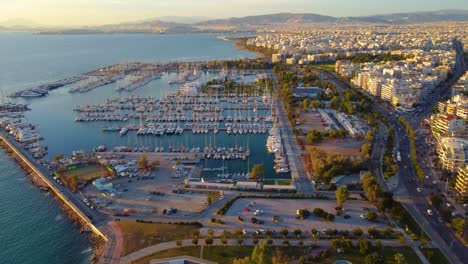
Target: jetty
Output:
[(64, 194)]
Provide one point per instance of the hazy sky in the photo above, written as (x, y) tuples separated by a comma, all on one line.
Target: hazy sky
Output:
[(92, 12)]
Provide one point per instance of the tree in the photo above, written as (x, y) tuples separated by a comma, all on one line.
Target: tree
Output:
[(155, 164), (364, 246), (458, 224), (58, 157), (314, 104), (257, 172), (239, 241), (357, 231), (195, 241), (313, 137), (259, 254), (297, 232), (305, 104), (371, 216), (342, 194), (436, 201), (178, 243), (143, 162), (224, 241), (315, 237), (284, 232), (278, 258), (210, 232), (209, 241), (335, 102), (373, 258)]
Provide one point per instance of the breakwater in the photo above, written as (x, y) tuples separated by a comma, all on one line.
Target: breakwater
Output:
[(39, 179)]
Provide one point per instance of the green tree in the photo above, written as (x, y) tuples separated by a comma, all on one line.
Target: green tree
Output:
[(335, 102), (364, 246), (314, 104), (373, 258), (195, 241), (58, 157), (259, 254), (371, 216), (458, 224), (436, 200), (178, 243), (143, 162), (209, 241), (313, 137), (257, 172), (305, 105), (284, 232), (342, 194)]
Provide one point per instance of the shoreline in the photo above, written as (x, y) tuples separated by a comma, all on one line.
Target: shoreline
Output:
[(99, 244), (239, 44)]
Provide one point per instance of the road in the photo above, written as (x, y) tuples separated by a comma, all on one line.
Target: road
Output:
[(416, 202)]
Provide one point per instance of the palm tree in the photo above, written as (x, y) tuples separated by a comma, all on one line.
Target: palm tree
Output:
[(315, 237)]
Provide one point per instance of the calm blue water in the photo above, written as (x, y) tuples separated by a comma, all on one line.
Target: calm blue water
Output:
[(33, 229)]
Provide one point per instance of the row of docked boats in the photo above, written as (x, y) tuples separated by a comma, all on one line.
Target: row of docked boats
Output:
[(275, 146), (24, 133)]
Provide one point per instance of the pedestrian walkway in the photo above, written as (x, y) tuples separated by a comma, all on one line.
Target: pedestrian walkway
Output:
[(233, 242)]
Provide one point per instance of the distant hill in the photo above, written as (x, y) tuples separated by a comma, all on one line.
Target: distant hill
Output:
[(272, 19), (253, 23), (417, 17)]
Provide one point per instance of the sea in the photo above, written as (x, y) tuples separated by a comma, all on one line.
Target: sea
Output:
[(32, 227)]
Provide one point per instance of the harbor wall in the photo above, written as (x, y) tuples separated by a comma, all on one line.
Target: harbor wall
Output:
[(85, 219)]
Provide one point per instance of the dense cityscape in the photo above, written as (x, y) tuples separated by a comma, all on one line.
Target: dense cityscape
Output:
[(342, 140)]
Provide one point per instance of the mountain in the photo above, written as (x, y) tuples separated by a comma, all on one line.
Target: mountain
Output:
[(183, 20), (282, 18), (260, 22), (417, 17)]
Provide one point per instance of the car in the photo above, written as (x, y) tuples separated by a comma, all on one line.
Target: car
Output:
[(429, 212), (260, 232), (258, 212), (419, 189), (455, 213), (440, 219), (449, 204), (363, 216)]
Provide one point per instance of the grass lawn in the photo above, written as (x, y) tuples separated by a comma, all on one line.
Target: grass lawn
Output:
[(140, 235), (85, 174), (437, 257), (325, 67), (413, 226), (218, 254), (226, 254), (284, 182), (214, 196), (387, 252), (269, 182)]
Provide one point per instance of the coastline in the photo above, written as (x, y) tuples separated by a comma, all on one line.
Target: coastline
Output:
[(239, 44), (99, 242)]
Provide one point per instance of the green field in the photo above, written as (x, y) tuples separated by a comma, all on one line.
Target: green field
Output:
[(413, 226), (85, 174), (140, 235), (227, 254), (325, 67)]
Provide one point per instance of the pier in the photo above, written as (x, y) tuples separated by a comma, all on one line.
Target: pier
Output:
[(58, 190)]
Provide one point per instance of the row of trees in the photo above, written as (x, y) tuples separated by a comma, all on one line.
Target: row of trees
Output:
[(414, 157), (389, 167)]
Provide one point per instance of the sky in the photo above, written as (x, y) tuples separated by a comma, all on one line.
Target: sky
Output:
[(96, 12)]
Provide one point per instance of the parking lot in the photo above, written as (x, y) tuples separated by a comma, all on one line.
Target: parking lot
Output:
[(285, 210)]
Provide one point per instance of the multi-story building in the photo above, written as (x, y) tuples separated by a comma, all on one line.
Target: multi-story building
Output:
[(453, 153), (447, 125), (461, 184)]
